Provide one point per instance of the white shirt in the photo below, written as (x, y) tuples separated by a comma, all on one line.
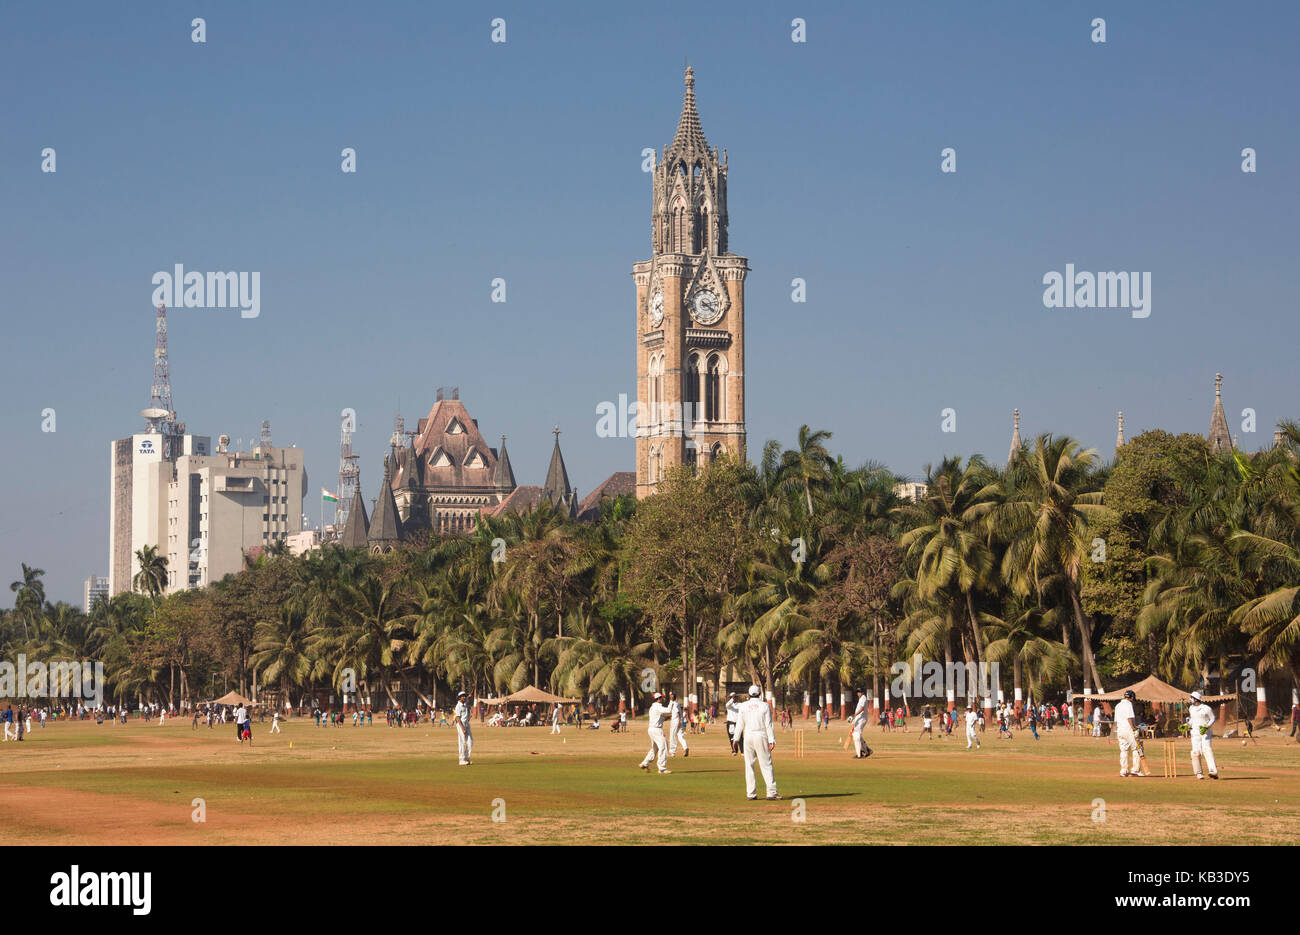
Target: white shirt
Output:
[(1201, 715), (462, 714), (240, 715), (754, 716), (658, 711), (732, 709), (675, 709), (555, 716), (860, 712), (1124, 711), (971, 720)]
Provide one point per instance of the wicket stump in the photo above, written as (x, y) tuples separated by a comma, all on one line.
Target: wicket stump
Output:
[(798, 745), (1171, 759)]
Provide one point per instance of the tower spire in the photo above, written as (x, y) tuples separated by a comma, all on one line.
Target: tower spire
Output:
[(160, 417), (1219, 438), (1015, 436), (1119, 436), (690, 135)]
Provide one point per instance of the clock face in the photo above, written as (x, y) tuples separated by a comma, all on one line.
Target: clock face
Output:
[(657, 310), (707, 310)]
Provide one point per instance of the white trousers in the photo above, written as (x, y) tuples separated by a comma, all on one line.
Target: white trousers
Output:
[(971, 738), (1128, 748), (555, 727), (10, 733), (275, 727), (756, 749), (676, 735), (658, 748), (858, 726), (1201, 748), (464, 742)]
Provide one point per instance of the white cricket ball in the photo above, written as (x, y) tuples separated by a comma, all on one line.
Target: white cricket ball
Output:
[(1243, 743)]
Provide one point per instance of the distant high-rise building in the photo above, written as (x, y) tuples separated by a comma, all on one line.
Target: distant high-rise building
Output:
[(218, 507), (96, 586), (137, 510)]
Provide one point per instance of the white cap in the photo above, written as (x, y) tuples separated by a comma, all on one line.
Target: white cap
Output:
[(755, 691), (1196, 696), (460, 694)]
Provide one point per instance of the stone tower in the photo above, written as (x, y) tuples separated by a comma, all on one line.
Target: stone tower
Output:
[(690, 312)]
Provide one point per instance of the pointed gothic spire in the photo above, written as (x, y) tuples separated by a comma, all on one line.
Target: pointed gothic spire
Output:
[(503, 477), (1219, 439), (1015, 435), (386, 529), (690, 135), (1119, 436), (412, 466), (357, 531), (557, 490)]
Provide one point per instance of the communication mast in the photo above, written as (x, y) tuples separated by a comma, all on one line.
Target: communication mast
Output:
[(160, 417), (349, 473)]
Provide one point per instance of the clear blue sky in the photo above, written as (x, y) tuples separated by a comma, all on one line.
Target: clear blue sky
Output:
[(522, 160)]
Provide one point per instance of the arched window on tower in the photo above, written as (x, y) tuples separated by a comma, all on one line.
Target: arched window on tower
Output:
[(691, 391), (712, 385)]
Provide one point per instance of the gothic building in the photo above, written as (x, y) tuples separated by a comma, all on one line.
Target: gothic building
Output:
[(690, 301), (446, 476)]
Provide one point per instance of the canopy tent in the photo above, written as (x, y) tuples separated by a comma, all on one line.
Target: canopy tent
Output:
[(490, 701), (534, 695), (232, 698), (1152, 689)]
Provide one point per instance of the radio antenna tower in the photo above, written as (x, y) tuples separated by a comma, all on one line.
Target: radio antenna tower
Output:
[(160, 417), (349, 474)]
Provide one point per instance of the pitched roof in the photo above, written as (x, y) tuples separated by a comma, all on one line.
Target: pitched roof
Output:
[(616, 485), (386, 526), (357, 531), (690, 135), (503, 476), (1219, 438), (520, 500), (446, 439)]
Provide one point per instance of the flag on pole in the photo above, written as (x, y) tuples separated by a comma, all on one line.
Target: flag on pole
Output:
[(326, 495)]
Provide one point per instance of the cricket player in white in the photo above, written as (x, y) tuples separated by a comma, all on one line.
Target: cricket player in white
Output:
[(1126, 733), (555, 720), (732, 708), (972, 720), (860, 722), (275, 722), (658, 743), (755, 736), (1200, 718), (464, 736), (676, 727)]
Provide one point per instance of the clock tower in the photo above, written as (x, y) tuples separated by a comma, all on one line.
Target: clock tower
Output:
[(690, 320)]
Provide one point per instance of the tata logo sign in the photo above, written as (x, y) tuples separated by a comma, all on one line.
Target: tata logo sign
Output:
[(146, 447)]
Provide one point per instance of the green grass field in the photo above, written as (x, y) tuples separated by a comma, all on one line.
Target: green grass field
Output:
[(136, 784)]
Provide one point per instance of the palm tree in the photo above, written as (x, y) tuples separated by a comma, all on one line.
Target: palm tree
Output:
[(31, 596), (282, 649), (807, 465), (1021, 638), (151, 579), (947, 545), (1044, 519)]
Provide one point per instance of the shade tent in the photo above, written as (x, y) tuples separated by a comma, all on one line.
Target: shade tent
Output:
[(232, 698), (490, 701), (1153, 689), (534, 695)]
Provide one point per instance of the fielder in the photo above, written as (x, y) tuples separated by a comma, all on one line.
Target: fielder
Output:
[(732, 708), (754, 733), (972, 721), (464, 736), (676, 729), (658, 743), (275, 722), (555, 720), (1126, 733), (1201, 718), (861, 750)]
